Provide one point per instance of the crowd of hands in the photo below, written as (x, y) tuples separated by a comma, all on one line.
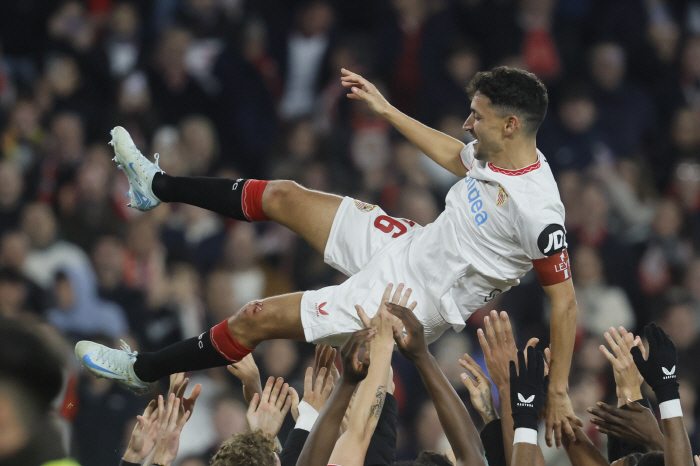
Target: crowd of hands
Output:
[(341, 409)]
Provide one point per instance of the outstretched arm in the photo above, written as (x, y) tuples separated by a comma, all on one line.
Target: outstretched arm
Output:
[(559, 413), (321, 441), (443, 149), (454, 418), (498, 345), (351, 447), (659, 371)]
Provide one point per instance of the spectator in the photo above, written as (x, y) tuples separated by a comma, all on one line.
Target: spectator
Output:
[(307, 47), (47, 253), (596, 299), (31, 371), (79, 312), (572, 139), (626, 111)]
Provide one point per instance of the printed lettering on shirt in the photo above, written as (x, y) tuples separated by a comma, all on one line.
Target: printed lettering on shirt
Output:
[(554, 269), (476, 204)]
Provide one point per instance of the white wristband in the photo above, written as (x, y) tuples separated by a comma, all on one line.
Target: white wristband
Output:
[(307, 416), (525, 435), (670, 408)]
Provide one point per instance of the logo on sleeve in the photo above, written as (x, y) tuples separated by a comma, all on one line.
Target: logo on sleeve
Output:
[(552, 240)]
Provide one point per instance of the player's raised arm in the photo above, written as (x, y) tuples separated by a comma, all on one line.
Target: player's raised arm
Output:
[(443, 149), (454, 417), (559, 414), (659, 371)]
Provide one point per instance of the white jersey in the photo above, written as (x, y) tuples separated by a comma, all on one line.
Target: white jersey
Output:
[(495, 224)]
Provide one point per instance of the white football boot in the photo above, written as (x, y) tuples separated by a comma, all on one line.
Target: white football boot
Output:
[(137, 168), (113, 364)]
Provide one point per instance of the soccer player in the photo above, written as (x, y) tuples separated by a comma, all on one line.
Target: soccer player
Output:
[(504, 218)]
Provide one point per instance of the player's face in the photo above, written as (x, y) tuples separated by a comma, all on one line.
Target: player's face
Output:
[(484, 125)]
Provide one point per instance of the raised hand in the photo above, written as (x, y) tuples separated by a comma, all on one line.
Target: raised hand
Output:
[(143, 437), (316, 392), (499, 348), (361, 89), (479, 389), (383, 321), (325, 357), (636, 426), (248, 373), (659, 367), (267, 412), (170, 426), (178, 386), (355, 371), (627, 376), (414, 345), (527, 389)]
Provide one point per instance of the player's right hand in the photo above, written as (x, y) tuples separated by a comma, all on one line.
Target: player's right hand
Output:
[(559, 418), (361, 89)]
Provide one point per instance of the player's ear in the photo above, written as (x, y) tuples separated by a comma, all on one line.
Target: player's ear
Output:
[(510, 124)]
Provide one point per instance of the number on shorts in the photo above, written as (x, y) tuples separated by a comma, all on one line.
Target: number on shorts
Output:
[(387, 224)]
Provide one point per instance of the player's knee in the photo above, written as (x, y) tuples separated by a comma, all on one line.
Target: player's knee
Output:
[(278, 194), (248, 325)]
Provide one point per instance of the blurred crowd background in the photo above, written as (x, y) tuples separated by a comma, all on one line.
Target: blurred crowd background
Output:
[(252, 88)]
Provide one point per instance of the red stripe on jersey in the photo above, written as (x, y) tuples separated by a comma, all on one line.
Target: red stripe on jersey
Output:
[(462, 161), (553, 269), (520, 171)]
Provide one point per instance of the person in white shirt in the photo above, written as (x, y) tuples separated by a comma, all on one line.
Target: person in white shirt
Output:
[(502, 219)]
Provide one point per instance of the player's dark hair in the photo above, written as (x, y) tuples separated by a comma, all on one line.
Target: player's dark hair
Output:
[(513, 91), (652, 458), (28, 360), (432, 458)]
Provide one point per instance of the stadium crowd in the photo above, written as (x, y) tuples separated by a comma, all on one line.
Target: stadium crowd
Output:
[(252, 88)]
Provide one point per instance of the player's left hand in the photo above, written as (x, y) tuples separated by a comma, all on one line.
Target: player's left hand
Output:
[(362, 89), (559, 417)]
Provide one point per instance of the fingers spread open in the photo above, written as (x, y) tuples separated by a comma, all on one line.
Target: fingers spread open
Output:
[(253, 406), (397, 293), (267, 390), (308, 380), (490, 332), (507, 328), (282, 396), (387, 291), (484, 344), (498, 327), (549, 427), (274, 394), (363, 316)]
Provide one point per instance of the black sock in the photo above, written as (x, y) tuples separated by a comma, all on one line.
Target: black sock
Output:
[(219, 195), (194, 354)]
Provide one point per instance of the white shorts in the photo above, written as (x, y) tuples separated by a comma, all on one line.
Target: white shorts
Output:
[(371, 248)]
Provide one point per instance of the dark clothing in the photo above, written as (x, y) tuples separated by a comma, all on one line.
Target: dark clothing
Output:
[(126, 463), (617, 448), (100, 422), (382, 447), (293, 446), (492, 438)]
